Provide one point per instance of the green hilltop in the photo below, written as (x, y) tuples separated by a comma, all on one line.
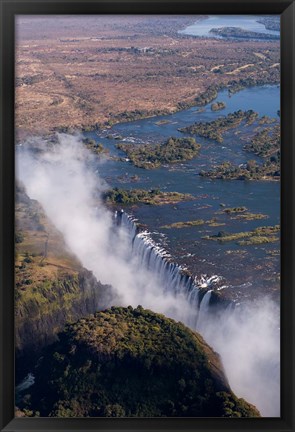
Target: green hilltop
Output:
[(125, 362)]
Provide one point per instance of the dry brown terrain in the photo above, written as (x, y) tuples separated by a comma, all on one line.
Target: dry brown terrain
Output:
[(86, 71)]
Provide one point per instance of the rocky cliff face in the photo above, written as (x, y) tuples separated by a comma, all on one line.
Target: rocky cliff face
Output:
[(51, 286), (38, 320), (64, 300)]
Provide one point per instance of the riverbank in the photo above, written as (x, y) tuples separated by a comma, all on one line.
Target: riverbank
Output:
[(78, 93)]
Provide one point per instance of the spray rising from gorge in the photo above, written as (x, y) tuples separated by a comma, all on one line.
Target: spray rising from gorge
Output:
[(64, 178)]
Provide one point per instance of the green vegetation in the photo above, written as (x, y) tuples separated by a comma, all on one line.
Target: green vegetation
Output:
[(217, 106), (231, 210), (162, 122), (239, 33), (257, 236), (150, 156), (216, 128), (209, 95), (266, 120), (42, 308), (188, 224), (252, 170), (51, 286), (152, 196), (235, 86), (128, 116), (250, 216), (266, 143), (96, 147), (241, 213), (256, 240), (126, 362)]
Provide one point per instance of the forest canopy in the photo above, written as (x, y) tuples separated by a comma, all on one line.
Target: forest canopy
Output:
[(125, 362)]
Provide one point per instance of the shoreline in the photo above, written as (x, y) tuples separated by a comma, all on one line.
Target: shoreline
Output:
[(153, 114)]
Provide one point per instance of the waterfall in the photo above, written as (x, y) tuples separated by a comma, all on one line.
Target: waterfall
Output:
[(234, 330), (172, 277), (27, 382), (203, 310), (246, 335)]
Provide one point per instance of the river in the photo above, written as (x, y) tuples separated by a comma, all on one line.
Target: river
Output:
[(249, 270), (245, 22), (246, 335)]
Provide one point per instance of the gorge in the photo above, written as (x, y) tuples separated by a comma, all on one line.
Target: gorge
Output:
[(64, 179), (147, 209)]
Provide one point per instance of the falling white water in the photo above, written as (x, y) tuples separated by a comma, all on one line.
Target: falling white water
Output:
[(247, 337), (140, 272), (203, 312), (26, 383)]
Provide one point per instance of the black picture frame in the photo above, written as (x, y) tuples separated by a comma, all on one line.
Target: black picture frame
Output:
[(10, 8)]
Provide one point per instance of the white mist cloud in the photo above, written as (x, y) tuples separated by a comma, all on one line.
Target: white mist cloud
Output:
[(63, 178), (248, 340)]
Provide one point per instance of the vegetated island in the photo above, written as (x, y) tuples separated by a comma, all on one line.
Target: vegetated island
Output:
[(251, 170), (242, 213), (266, 120), (236, 32), (250, 216), (94, 146), (217, 106), (126, 362), (193, 223), (136, 196), (266, 144), (233, 212), (259, 235), (150, 156), (162, 122), (216, 128)]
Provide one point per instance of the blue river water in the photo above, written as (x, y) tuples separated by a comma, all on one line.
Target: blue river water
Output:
[(245, 22), (253, 269)]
